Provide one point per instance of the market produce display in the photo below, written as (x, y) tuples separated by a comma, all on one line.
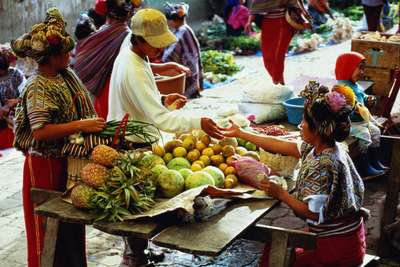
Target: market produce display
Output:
[(218, 66), (242, 45), (378, 37)]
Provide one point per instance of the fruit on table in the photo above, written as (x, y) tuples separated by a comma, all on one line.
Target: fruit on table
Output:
[(185, 173), (208, 152), (223, 166), (230, 170), (150, 160), (231, 181), (228, 151), (196, 167), (169, 146), (198, 179), (241, 150), (241, 142), (199, 162), (81, 196), (171, 183), (205, 139), (179, 152), (230, 160), (158, 169), (178, 163), (94, 175), (229, 141), (168, 157), (217, 175), (250, 146), (205, 159), (200, 146), (159, 150), (217, 149), (216, 160), (104, 155), (189, 143), (193, 155), (253, 155)]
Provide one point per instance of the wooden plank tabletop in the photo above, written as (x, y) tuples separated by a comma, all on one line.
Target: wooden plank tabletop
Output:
[(58, 208), (212, 237), (139, 229)]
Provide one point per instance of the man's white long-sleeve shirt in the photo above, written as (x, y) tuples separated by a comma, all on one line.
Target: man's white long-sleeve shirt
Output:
[(133, 90)]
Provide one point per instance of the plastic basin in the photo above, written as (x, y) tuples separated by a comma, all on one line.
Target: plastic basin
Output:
[(170, 81), (294, 109)]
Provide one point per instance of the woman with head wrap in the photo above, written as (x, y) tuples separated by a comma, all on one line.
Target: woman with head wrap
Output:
[(236, 15), (187, 50), (96, 54), (349, 69), (329, 192), (54, 105), (11, 83)]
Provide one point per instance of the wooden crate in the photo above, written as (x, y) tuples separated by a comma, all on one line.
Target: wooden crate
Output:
[(382, 78)]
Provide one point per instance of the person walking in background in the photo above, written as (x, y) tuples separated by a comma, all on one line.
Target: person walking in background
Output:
[(276, 34), (11, 84), (187, 50), (54, 104), (96, 54), (236, 16), (372, 11)]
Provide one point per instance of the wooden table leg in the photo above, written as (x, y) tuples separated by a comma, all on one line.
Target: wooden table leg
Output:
[(277, 254), (50, 241)]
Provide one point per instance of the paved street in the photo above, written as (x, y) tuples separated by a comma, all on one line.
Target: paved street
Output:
[(105, 250)]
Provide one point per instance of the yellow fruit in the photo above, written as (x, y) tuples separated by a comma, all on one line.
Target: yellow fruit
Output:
[(200, 146), (169, 146), (205, 160), (158, 150), (199, 162), (241, 150), (231, 181), (228, 151), (196, 167), (105, 155), (183, 136), (216, 160), (193, 155), (223, 166), (230, 160), (179, 152), (188, 143), (168, 157), (230, 170), (217, 149), (205, 139), (208, 152)]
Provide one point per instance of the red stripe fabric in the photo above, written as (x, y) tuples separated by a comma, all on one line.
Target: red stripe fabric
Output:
[(6, 138)]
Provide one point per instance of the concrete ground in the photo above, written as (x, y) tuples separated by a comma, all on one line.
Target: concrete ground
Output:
[(105, 250)]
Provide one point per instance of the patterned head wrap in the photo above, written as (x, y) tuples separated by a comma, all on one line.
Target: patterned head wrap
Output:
[(176, 11), (45, 39), (329, 111)]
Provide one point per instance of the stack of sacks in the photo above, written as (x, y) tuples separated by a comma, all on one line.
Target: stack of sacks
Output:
[(265, 102)]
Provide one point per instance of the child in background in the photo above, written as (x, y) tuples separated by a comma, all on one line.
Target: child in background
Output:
[(349, 69), (329, 192), (236, 15), (187, 50)]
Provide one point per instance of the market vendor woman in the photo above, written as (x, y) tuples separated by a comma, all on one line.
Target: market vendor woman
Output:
[(54, 105), (329, 191)]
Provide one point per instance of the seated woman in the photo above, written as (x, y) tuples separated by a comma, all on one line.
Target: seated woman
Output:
[(187, 50), (329, 191), (236, 15), (11, 83)]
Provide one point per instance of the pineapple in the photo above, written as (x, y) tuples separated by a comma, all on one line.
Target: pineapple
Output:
[(81, 196), (105, 155), (94, 175)]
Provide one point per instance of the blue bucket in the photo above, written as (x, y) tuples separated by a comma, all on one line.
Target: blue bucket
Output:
[(294, 109)]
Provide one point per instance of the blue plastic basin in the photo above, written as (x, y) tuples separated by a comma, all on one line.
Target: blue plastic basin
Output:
[(294, 109)]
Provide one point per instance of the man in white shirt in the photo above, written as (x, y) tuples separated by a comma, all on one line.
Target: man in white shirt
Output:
[(133, 90)]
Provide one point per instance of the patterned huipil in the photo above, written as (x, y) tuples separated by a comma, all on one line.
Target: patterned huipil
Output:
[(331, 186), (49, 100), (187, 52), (11, 86)]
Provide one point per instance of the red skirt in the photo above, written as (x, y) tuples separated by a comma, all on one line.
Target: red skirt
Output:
[(276, 35), (6, 138), (345, 250), (51, 174), (101, 101)]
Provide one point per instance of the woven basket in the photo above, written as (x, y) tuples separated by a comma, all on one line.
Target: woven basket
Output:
[(75, 165), (284, 165)]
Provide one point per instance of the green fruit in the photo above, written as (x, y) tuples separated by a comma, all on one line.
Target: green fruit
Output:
[(171, 183), (241, 150), (158, 169), (151, 160), (250, 146), (185, 173), (241, 142), (217, 175), (198, 179), (179, 163)]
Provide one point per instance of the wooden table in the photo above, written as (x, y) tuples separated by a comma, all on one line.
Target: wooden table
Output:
[(212, 236)]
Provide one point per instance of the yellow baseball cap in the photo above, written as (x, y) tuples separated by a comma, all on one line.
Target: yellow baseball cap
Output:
[(151, 24)]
